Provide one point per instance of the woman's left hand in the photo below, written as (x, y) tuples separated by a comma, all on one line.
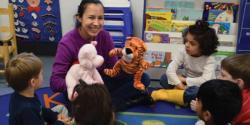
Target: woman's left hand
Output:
[(182, 78)]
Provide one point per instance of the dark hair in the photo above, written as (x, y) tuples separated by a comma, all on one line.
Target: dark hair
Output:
[(238, 67), (93, 105), (22, 68), (82, 7), (222, 99), (204, 35)]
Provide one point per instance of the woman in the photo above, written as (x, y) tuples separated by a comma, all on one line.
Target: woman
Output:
[(90, 21)]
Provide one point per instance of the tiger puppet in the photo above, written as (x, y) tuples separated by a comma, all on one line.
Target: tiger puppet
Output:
[(131, 61)]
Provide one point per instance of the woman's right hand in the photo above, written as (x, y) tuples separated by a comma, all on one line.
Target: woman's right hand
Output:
[(66, 120), (180, 86), (193, 105)]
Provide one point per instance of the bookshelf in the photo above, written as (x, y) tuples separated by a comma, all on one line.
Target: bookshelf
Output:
[(185, 13)]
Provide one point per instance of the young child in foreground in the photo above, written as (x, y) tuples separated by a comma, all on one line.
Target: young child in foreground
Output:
[(198, 64), (236, 69), (92, 105), (24, 74), (218, 102)]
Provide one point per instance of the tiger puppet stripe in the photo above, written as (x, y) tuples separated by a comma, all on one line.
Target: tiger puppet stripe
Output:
[(131, 61)]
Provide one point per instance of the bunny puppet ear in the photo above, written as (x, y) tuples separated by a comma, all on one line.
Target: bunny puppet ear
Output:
[(94, 43)]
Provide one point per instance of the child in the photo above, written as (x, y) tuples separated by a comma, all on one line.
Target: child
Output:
[(92, 105), (218, 102), (24, 75), (236, 69), (199, 65)]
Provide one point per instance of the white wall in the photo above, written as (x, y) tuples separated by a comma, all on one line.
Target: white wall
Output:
[(68, 11), (137, 9), (4, 3), (4, 20)]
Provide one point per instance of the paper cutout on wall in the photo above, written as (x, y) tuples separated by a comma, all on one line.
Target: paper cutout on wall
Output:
[(37, 20)]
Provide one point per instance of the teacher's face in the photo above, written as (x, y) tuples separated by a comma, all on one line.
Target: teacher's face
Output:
[(92, 20)]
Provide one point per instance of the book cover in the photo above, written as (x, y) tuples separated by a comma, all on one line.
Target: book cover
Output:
[(158, 58), (158, 21), (188, 14), (179, 4), (156, 37), (220, 27), (176, 40), (220, 12), (219, 56), (179, 26)]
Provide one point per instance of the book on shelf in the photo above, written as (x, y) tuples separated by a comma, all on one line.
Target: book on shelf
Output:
[(220, 12), (176, 40), (219, 56), (220, 27), (158, 21), (158, 58), (179, 26), (156, 37), (179, 4)]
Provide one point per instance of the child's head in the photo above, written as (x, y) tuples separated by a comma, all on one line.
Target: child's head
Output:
[(24, 70), (236, 68), (219, 101), (92, 106), (200, 39)]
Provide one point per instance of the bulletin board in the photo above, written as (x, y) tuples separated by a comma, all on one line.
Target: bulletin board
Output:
[(37, 20)]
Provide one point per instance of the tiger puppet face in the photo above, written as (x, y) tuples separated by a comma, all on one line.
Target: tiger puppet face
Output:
[(132, 60), (134, 50)]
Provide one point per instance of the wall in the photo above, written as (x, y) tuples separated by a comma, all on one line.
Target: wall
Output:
[(137, 7), (69, 9)]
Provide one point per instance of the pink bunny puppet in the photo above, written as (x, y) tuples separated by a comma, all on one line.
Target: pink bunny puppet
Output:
[(86, 69)]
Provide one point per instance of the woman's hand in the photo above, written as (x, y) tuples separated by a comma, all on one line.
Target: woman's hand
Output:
[(193, 105), (182, 78), (180, 86), (66, 120)]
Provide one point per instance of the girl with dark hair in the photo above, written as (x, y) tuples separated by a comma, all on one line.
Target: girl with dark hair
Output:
[(92, 105), (90, 21), (198, 64)]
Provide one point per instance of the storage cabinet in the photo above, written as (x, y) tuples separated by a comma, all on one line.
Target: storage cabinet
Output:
[(243, 43)]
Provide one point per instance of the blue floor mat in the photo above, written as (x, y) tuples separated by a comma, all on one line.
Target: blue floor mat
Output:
[(161, 113)]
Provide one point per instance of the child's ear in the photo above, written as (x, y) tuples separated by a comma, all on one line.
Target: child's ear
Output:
[(32, 82), (207, 116), (240, 82)]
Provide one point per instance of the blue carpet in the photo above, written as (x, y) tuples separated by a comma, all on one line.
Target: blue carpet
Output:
[(161, 113)]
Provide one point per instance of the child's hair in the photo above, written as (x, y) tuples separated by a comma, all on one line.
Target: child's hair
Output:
[(92, 106), (82, 7), (204, 35), (222, 99), (22, 68), (238, 67)]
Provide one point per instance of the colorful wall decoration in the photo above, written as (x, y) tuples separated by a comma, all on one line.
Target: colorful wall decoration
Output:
[(37, 20)]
